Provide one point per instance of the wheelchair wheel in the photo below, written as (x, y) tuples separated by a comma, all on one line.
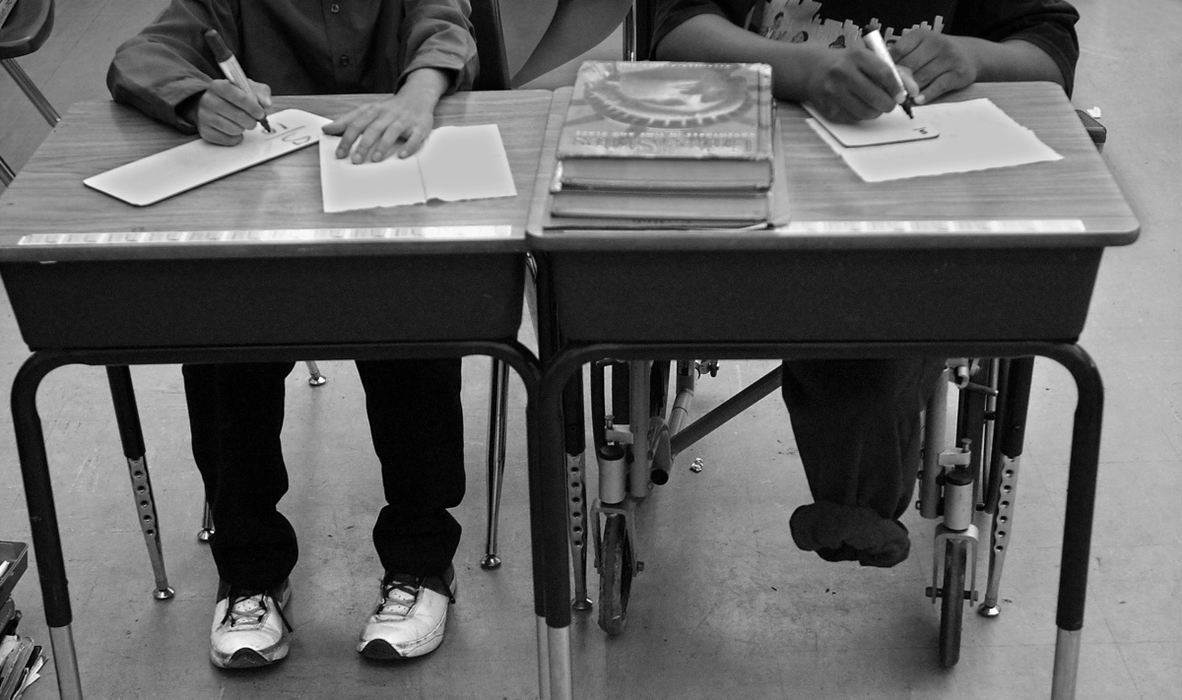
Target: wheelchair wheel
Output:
[(615, 575), (952, 601)]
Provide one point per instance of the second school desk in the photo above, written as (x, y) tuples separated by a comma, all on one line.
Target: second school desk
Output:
[(231, 272), (985, 264)]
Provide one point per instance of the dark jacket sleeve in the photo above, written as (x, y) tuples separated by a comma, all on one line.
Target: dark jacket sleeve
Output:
[(1048, 24), (168, 63), (438, 34)]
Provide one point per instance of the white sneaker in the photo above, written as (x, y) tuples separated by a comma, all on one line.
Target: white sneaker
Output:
[(410, 616), (249, 629)]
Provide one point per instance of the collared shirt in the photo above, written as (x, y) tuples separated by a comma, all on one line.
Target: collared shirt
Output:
[(1048, 24), (294, 46)]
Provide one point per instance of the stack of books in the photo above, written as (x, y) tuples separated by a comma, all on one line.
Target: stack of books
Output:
[(20, 658), (20, 663), (654, 144)]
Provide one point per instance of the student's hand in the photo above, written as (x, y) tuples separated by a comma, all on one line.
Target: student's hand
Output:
[(849, 85), (939, 63), (224, 111), (399, 124)]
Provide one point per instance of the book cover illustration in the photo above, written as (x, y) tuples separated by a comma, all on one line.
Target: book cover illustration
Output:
[(659, 109)]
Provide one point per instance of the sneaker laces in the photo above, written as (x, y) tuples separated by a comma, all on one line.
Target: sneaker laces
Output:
[(246, 609), (399, 595)]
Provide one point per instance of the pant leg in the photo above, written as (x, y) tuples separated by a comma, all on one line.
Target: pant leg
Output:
[(417, 424), (857, 427), (235, 418)]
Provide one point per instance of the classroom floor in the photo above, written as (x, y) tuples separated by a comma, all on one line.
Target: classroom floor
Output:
[(726, 605)]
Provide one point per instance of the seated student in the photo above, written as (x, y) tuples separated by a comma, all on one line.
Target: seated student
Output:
[(856, 422), (414, 51)]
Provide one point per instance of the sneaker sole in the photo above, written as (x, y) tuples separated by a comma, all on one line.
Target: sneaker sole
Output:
[(381, 650), (249, 658)]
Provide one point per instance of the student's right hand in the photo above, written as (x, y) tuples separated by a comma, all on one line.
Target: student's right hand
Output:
[(850, 85), (224, 111)]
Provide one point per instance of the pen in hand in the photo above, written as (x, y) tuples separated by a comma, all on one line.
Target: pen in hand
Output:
[(875, 43), (231, 68)]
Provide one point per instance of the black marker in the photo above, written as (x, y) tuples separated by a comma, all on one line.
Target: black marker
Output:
[(231, 68)]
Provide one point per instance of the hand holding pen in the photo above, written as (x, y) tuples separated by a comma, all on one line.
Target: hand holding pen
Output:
[(874, 42), (231, 106)]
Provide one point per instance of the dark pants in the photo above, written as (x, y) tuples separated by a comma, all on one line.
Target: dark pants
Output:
[(416, 422), (857, 427)]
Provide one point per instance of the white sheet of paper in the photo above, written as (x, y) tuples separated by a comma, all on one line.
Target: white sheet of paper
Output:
[(974, 135), (893, 127), (167, 173), (455, 163)]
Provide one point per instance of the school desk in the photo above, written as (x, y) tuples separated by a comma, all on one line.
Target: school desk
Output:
[(994, 263), (234, 271)]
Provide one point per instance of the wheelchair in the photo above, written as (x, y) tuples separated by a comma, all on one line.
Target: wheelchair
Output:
[(967, 481)]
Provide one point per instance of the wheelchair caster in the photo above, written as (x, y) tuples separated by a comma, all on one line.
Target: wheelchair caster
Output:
[(952, 601), (615, 578)]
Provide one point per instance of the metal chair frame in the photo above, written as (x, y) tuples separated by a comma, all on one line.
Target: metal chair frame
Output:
[(25, 30)]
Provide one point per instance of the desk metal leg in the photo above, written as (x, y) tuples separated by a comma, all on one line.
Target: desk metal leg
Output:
[(47, 543), (556, 554), (549, 522), (1077, 531), (131, 435)]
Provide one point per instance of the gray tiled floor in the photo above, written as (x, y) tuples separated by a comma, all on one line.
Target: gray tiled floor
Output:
[(726, 606)]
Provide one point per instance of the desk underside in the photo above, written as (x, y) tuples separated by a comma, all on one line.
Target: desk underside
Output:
[(824, 295), (261, 301)]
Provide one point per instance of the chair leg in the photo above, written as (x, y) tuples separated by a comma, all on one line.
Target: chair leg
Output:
[(132, 436), (315, 378), (6, 173), (497, 415), (206, 530), (30, 89)]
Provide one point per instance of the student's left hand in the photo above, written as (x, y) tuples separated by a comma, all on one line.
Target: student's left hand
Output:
[(398, 124), (939, 63)]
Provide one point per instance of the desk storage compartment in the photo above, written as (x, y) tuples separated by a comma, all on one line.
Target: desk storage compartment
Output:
[(824, 295), (271, 301)]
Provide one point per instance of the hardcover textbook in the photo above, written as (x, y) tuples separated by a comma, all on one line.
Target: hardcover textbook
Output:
[(668, 125)]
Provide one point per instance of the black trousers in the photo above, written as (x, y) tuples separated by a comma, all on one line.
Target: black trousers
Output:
[(416, 422), (857, 427)]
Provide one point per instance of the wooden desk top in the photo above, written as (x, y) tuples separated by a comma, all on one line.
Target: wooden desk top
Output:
[(282, 195), (1073, 202)]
